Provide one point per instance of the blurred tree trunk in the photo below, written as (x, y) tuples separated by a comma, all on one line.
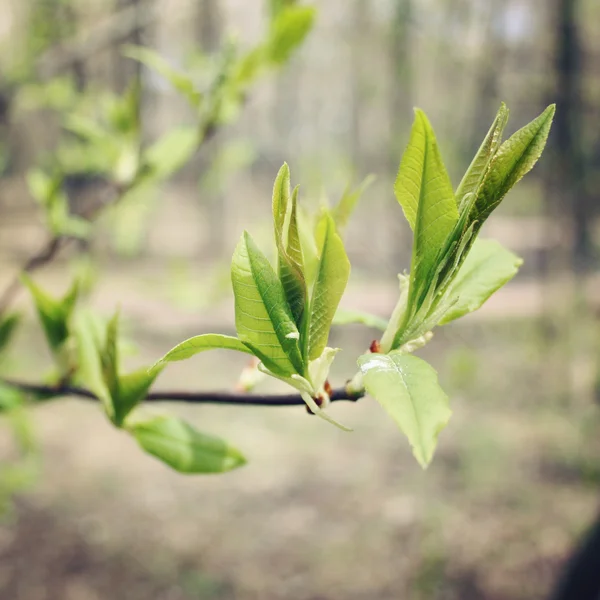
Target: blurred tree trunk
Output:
[(127, 71), (568, 149), (488, 75)]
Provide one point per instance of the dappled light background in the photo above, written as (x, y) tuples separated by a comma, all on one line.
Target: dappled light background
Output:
[(317, 514)]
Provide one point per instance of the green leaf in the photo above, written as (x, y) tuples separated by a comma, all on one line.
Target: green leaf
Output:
[(486, 269), (514, 159), (290, 259), (180, 82), (88, 335), (289, 28), (345, 316), (475, 175), (201, 343), (407, 388), (54, 313), (425, 193), (170, 152), (8, 325), (332, 277), (132, 389), (345, 207), (263, 318), (182, 447)]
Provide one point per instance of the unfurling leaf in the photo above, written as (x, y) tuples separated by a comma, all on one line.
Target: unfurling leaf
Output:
[(201, 343), (263, 318), (478, 169), (487, 268), (408, 389), (182, 447), (331, 279), (289, 251), (514, 159)]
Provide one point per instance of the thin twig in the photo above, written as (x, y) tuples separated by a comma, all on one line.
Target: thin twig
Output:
[(236, 398)]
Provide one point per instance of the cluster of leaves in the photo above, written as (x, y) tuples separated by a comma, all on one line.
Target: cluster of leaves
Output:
[(87, 353), (283, 315), (452, 271), (284, 310), (103, 131)]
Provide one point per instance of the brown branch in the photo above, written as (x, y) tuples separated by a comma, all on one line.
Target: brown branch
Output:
[(236, 398), (45, 255)]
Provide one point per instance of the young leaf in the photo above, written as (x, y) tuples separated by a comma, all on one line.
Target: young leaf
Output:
[(486, 269), (425, 193), (8, 324), (54, 313), (289, 28), (180, 82), (407, 388), (263, 318), (89, 373), (345, 207), (514, 159), (345, 316), (290, 259), (332, 277), (200, 343), (170, 152), (478, 168), (182, 447), (131, 390)]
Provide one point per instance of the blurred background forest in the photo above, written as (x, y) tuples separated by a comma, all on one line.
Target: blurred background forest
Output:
[(317, 514)]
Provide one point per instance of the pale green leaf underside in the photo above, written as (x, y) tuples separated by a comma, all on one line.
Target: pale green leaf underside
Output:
[(345, 316), (408, 389), (332, 277), (486, 269), (201, 343), (183, 448), (262, 316)]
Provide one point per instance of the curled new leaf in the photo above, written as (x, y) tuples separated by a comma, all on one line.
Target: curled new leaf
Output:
[(514, 159)]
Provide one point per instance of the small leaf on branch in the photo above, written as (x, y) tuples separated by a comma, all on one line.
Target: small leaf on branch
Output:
[(408, 389), (182, 447)]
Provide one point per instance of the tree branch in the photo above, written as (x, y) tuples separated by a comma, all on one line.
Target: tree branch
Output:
[(236, 398)]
